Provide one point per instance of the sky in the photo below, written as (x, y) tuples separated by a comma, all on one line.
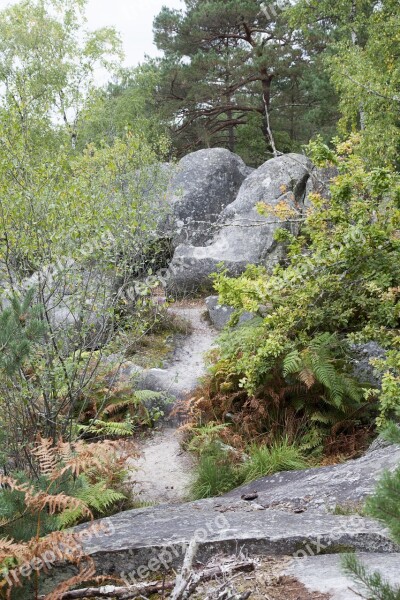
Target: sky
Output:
[(132, 18)]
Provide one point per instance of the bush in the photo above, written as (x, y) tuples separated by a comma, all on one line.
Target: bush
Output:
[(73, 484), (337, 286)]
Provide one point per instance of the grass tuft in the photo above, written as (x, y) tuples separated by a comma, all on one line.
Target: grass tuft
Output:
[(266, 460), (218, 472)]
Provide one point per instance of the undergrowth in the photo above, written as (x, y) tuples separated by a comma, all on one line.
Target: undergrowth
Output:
[(221, 468), (74, 483)]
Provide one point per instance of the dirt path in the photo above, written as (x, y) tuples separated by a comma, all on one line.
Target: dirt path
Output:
[(164, 470)]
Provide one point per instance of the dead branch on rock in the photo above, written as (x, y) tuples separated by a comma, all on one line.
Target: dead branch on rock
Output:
[(144, 590), (184, 578)]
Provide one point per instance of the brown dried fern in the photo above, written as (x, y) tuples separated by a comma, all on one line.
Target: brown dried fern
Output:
[(54, 461)]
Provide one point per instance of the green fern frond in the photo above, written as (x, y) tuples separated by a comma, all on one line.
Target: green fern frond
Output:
[(325, 418), (99, 427), (292, 363), (148, 395), (98, 497)]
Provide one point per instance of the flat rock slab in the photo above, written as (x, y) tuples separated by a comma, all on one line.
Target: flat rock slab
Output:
[(323, 488), (324, 574), (135, 537)]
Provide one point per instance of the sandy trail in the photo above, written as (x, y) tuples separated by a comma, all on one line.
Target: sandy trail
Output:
[(163, 473)]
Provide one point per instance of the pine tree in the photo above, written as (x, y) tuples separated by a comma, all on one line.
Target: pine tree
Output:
[(233, 76), (20, 327)]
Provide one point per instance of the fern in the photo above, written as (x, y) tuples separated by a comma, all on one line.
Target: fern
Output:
[(320, 363), (132, 408), (313, 440), (205, 436), (95, 497), (319, 417), (73, 481), (107, 428), (148, 395), (292, 363)]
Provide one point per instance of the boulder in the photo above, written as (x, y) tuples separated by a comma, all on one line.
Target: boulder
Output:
[(362, 368), (125, 541), (78, 302), (243, 235), (221, 314), (284, 514), (201, 186)]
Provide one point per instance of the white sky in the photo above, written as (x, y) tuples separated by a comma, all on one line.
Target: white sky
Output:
[(132, 18)]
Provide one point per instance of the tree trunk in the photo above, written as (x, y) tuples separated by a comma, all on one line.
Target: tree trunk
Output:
[(231, 132), (266, 82)]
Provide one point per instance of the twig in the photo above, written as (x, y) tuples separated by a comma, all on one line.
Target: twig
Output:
[(184, 577), (131, 591), (212, 573)]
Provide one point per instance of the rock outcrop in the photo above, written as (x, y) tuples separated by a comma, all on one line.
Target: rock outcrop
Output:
[(244, 236), (200, 187), (363, 370), (288, 516), (323, 488), (78, 302)]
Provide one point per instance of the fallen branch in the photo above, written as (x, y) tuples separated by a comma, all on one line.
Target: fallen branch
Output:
[(186, 574), (212, 573), (125, 592), (154, 587)]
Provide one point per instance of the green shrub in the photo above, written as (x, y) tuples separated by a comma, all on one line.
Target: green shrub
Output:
[(338, 286), (74, 483)]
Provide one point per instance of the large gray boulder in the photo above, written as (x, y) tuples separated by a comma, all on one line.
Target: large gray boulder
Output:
[(200, 187), (244, 236), (288, 515), (78, 302)]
